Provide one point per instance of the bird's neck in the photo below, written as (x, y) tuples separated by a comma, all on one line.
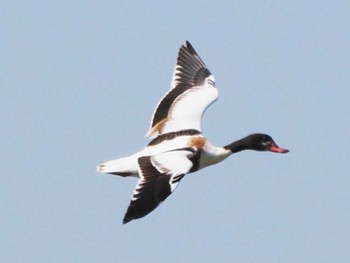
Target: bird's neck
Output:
[(240, 145)]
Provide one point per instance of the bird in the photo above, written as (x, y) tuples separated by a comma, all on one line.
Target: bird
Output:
[(177, 146)]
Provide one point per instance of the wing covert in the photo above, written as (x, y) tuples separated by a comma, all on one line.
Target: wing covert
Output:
[(159, 176), (192, 91)]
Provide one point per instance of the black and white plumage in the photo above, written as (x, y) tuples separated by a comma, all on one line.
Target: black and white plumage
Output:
[(178, 146), (192, 91), (159, 176)]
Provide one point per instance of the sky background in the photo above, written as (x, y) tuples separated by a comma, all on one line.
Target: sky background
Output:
[(79, 83)]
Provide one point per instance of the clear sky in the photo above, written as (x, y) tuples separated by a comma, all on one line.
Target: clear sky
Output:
[(79, 83)]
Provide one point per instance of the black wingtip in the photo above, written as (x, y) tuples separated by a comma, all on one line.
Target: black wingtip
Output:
[(190, 48), (126, 220)]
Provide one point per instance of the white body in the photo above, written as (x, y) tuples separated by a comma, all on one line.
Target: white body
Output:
[(209, 155)]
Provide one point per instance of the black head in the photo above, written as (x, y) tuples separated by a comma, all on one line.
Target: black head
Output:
[(264, 142)]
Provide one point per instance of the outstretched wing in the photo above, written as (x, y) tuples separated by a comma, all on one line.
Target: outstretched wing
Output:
[(159, 176), (192, 91)]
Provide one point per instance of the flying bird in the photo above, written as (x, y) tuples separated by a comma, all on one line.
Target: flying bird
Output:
[(178, 146)]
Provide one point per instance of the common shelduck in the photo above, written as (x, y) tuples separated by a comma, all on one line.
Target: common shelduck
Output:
[(178, 146)]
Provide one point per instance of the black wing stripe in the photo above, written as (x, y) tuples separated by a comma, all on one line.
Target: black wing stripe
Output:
[(152, 189), (164, 106), (190, 71), (172, 135)]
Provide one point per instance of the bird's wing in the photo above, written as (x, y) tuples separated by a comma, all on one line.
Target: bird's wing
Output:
[(159, 176), (192, 91)]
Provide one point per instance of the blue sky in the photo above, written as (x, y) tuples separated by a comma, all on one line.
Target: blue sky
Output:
[(79, 83)]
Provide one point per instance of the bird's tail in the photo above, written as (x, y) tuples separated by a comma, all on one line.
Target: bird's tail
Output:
[(124, 167)]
